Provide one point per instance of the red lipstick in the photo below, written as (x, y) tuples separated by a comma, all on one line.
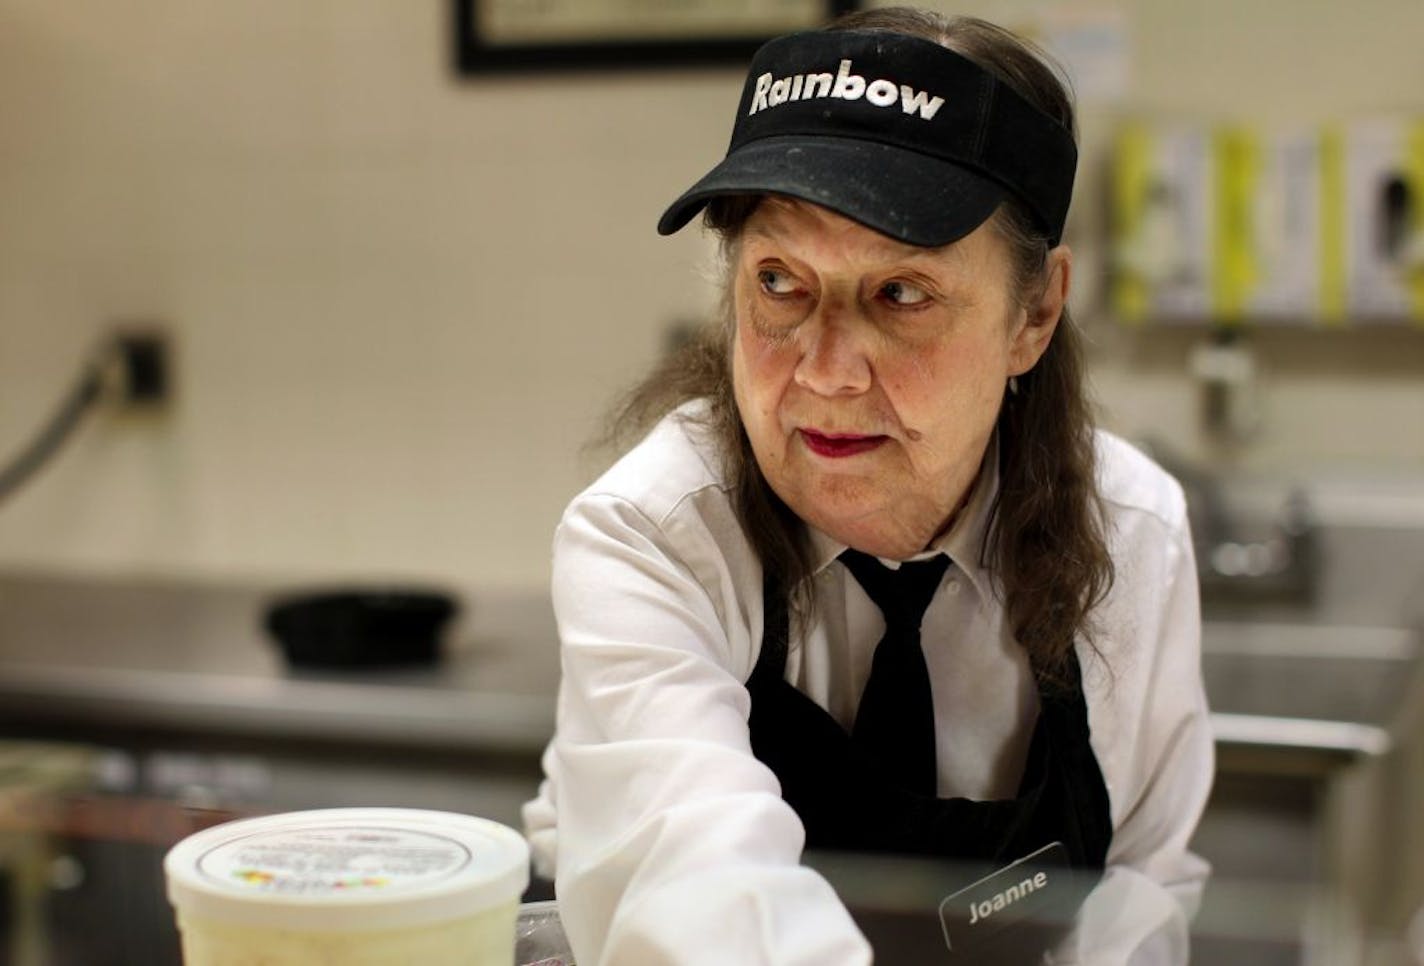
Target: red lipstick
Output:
[(836, 445)]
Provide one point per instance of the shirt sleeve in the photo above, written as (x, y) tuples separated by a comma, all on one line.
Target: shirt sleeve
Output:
[(673, 843), (1140, 912)]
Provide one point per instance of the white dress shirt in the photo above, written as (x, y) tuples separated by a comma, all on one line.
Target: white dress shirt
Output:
[(670, 841)]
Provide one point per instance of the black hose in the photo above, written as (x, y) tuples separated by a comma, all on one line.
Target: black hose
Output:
[(86, 391)]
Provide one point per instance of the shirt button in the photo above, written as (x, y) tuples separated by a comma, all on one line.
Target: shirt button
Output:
[(953, 587)]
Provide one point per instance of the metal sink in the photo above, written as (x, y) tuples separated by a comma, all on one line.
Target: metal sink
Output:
[(1332, 689), (1317, 696)]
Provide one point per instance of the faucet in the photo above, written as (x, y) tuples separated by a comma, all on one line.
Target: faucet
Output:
[(1238, 559)]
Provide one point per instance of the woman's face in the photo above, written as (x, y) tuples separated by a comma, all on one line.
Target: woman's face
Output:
[(869, 373)]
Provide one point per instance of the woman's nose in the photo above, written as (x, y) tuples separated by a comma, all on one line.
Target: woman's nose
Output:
[(833, 359)]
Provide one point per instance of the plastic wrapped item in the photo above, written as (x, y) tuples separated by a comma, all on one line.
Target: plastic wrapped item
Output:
[(1164, 222), (1383, 197), (539, 936)]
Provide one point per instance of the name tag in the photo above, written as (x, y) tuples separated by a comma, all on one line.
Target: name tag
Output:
[(1040, 889)]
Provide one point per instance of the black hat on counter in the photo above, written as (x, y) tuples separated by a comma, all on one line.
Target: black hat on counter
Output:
[(895, 132)]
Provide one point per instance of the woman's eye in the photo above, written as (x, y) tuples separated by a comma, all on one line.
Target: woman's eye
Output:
[(904, 293), (775, 282)]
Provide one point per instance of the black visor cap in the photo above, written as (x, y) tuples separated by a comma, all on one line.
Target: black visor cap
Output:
[(897, 133)]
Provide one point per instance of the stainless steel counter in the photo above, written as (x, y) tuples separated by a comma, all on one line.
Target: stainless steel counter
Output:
[(194, 658), (183, 712), (1296, 694)]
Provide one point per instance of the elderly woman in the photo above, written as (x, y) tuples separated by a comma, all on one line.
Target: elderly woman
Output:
[(872, 582)]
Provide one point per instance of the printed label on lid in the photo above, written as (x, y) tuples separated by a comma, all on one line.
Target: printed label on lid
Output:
[(334, 860)]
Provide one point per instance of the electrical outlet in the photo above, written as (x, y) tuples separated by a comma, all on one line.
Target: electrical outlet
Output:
[(145, 367)]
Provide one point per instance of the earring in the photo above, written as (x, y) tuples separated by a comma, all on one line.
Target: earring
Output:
[(1013, 385)]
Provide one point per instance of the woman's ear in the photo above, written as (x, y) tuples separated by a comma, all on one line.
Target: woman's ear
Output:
[(1041, 315)]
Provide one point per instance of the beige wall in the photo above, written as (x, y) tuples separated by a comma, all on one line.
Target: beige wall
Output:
[(401, 299)]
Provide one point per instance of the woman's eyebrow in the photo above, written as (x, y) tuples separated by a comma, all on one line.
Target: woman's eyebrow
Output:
[(762, 231)]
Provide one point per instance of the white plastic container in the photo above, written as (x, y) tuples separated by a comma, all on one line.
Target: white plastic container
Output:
[(356, 886)]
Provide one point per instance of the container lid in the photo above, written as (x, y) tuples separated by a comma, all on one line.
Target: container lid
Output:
[(343, 869)]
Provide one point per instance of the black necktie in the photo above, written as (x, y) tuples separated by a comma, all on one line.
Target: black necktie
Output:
[(894, 726)]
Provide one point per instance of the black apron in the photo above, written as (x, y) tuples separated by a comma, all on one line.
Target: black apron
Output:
[(847, 805)]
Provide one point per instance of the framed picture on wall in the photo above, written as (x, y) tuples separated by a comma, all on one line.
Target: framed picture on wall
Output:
[(538, 35)]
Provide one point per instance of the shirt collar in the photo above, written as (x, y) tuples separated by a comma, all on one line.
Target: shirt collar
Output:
[(963, 542)]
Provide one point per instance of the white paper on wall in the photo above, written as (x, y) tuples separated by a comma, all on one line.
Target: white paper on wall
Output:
[(1285, 228)]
